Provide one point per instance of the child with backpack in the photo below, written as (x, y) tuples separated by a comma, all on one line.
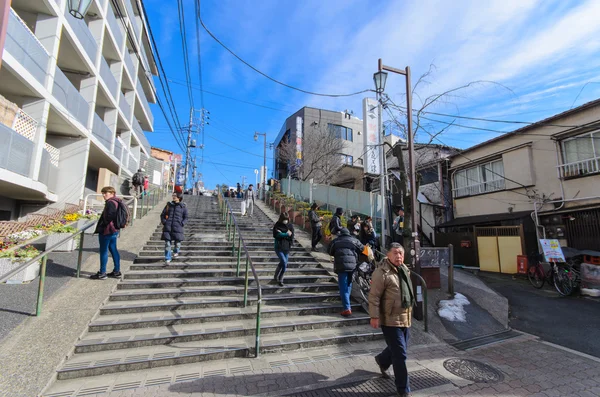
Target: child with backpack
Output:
[(114, 217), (173, 218)]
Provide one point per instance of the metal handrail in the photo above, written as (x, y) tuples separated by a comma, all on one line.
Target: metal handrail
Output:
[(425, 323), (226, 213), (44, 257)]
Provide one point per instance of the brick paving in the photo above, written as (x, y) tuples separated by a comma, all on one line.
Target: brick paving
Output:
[(530, 368)]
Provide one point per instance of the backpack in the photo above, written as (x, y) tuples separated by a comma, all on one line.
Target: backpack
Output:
[(330, 227), (136, 179), (123, 215)]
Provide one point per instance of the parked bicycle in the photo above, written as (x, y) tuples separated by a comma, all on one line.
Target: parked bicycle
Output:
[(564, 276)]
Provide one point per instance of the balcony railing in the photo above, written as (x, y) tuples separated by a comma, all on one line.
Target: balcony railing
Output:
[(124, 106), (85, 37), (130, 65), (70, 98), (580, 168), (48, 171), (108, 78), (15, 152), (141, 136), (118, 151), (132, 18), (133, 164), (101, 131), (22, 44), (144, 100), (115, 27)]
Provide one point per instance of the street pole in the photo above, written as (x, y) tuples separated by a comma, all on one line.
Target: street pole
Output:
[(382, 187), (187, 150), (264, 170)]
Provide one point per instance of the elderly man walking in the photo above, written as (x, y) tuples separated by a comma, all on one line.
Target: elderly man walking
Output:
[(391, 300)]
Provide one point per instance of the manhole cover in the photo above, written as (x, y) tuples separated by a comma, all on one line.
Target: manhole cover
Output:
[(473, 370)]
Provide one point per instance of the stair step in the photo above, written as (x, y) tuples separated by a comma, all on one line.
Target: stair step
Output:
[(207, 271), (112, 361), (161, 290), (217, 265), (208, 315), (154, 305)]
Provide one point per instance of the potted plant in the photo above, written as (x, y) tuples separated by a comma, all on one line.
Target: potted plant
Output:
[(11, 258), (59, 231), (84, 219)]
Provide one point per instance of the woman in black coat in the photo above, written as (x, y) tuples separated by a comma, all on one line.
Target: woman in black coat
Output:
[(283, 233), (173, 218)]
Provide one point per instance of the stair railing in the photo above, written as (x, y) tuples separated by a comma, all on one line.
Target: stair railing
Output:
[(425, 322), (231, 228)]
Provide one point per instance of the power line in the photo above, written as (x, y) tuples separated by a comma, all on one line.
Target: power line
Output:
[(184, 49), (266, 75), (537, 123), (237, 148), (197, 5)]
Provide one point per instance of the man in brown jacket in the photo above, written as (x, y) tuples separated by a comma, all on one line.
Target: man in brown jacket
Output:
[(391, 300)]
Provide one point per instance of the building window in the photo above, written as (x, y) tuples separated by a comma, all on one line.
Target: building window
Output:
[(483, 178), (340, 131), (581, 155), (346, 159)]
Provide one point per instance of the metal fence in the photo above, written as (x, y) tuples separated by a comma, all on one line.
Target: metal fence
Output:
[(115, 29), (83, 34), (101, 131), (66, 93), (16, 152), (48, 172), (109, 79), (22, 44)]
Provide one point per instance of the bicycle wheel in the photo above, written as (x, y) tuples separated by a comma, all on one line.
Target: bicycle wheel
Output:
[(562, 281), (363, 287), (536, 276)]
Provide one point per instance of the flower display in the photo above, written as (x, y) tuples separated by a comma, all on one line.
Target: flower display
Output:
[(72, 217), (20, 254), (61, 228)]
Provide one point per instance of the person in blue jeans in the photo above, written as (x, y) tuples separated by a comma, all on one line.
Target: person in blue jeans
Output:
[(107, 234), (345, 250), (173, 218), (283, 233)]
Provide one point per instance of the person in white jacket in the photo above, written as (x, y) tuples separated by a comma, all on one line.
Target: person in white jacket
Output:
[(249, 200)]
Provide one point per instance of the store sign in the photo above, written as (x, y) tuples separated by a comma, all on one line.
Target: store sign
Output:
[(371, 138), (552, 250), (299, 137)]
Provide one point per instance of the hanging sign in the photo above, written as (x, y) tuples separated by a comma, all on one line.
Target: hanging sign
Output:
[(371, 138)]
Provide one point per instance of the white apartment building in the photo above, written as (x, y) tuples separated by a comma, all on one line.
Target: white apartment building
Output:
[(76, 95)]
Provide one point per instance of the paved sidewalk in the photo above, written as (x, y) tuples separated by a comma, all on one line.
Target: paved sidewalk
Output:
[(526, 367), (30, 354)]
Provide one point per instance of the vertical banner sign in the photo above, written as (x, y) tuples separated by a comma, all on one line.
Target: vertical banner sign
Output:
[(299, 137), (371, 140)]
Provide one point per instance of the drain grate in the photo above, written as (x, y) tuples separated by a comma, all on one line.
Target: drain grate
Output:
[(377, 387), (473, 370), (485, 340)]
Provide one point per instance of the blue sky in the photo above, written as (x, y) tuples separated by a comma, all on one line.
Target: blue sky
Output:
[(539, 54)]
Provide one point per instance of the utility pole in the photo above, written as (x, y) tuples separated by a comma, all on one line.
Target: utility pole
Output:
[(264, 173), (195, 127), (187, 149)]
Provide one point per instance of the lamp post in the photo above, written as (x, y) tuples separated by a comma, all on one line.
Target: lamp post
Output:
[(264, 172), (78, 8), (415, 246), (380, 79)]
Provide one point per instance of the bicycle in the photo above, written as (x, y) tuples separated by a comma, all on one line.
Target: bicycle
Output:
[(562, 275), (362, 278)]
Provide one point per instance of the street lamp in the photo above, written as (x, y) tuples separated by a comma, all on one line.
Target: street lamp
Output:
[(78, 8), (380, 79), (264, 173)]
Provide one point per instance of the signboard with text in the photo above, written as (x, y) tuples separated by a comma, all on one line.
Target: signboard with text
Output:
[(371, 138), (552, 250)]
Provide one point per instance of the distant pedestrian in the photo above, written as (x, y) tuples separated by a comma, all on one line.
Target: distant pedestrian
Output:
[(283, 233), (354, 225), (146, 185), (368, 235), (249, 195), (315, 225), (345, 250), (173, 218), (108, 232), (335, 224), (137, 180), (398, 225), (391, 301)]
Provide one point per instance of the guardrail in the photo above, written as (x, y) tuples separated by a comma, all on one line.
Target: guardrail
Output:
[(226, 213), (81, 232)]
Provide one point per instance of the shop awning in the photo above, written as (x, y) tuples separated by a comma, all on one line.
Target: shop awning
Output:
[(481, 220)]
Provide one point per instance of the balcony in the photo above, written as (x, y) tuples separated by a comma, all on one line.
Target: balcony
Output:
[(49, 168), (580, 168), (125, 108), (141, 136), (133, 164), (70, 98), (118, 151), (22, 44), (108, 78), (83, 34), (15, 152), (133, 19), (144, 101), (115, 28), (130, 66), (101, 131)]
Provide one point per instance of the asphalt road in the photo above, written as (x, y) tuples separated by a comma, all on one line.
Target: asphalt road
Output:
[(572, 322)]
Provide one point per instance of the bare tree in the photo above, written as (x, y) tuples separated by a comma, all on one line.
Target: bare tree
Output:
[(321, 154)]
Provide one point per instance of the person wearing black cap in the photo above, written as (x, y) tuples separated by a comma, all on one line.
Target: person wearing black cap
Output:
[(398, 226)]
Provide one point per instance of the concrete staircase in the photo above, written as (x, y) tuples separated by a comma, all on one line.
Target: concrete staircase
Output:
[(191, 310)]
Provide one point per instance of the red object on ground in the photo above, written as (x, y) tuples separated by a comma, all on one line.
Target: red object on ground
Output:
[(522, 264)]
